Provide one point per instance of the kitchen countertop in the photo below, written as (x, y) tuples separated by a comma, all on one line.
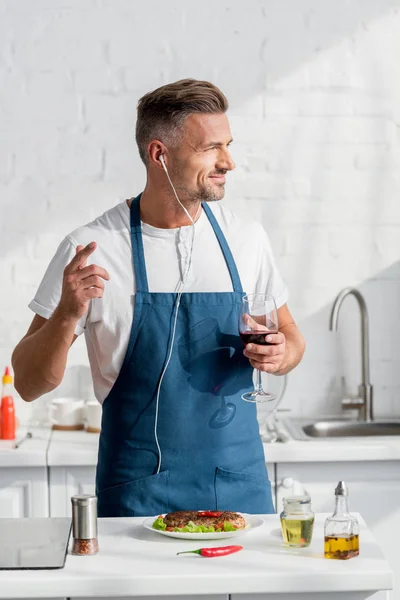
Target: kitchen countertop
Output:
[(334, 450), (78, 448), (136, 562), (73, 448), (31, 453)]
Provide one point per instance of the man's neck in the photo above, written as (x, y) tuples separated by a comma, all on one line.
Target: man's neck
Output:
[(159, 209)]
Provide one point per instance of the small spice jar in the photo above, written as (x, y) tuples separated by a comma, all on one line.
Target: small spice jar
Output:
[(84, 525), (297, 521)]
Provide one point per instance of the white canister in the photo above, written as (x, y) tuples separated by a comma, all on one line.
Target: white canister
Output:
[(66, 413), (93, 412)]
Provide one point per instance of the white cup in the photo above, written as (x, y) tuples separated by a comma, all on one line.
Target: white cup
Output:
[(93, 411), (66, 412)]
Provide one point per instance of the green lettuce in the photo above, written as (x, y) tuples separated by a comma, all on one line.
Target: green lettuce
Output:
[(192, 528), (159, 524), (229, 527)]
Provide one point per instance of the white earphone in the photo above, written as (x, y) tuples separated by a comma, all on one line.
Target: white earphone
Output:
[(178, 301)]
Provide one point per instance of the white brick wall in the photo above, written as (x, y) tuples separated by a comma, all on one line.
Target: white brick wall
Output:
[(314, 88)]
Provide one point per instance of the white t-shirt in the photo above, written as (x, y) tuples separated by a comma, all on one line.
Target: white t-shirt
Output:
[(108, 321)]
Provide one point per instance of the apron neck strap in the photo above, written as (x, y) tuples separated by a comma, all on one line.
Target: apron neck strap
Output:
[(139, 262), (226, 251)]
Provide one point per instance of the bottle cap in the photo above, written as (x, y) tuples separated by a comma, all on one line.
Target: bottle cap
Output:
[(7, 377), (341, 489), (297, 504)]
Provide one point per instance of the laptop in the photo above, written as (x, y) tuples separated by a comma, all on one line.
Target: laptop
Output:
[(34, 543)]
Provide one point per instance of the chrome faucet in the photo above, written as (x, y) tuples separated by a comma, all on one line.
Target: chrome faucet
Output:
[(364, 403)]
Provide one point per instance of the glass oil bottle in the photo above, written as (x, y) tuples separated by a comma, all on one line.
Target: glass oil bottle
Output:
[(297, 521), (341, 529)]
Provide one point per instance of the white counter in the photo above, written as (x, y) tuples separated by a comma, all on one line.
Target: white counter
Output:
[(31, 453), (73, 448), (334, 450), (78, 448), (136, 562)]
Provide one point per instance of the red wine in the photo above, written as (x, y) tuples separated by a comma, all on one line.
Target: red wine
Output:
[(255, 337)]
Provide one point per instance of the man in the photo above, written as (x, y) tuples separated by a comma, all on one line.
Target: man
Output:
[(175, 432)]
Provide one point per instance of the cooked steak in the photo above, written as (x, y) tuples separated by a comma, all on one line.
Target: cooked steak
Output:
[(181, 518)]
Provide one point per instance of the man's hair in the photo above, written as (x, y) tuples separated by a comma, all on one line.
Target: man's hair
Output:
[(161, 113)]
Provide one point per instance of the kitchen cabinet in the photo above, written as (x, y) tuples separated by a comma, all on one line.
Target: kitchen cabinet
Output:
[(271, 475), (23, 492), (374, 492), (66, 482)]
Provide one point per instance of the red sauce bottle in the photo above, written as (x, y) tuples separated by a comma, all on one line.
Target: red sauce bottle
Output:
[(7, 409)]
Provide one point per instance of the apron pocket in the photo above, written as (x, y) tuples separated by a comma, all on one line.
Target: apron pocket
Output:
[(243, 492), (140, 498)]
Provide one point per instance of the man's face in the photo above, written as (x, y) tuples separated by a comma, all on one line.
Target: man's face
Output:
[(201, 160)]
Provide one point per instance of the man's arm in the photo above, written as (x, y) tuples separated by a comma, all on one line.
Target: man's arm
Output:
[(40, 358), (286, 351), (294, 349)]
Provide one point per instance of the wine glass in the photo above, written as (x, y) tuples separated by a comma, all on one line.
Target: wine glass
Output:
[(258, 317)]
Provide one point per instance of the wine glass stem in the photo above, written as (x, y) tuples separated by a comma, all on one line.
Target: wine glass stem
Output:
[(258, 384)]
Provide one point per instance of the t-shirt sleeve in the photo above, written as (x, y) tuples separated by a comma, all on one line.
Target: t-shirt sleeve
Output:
[(270, 280), (48, 294)]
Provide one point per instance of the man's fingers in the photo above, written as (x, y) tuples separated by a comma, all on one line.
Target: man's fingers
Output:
[(78, 249), (271, 349), (262, 353), (80, 257), (92, 281), (93, 270), (93, 292), (264, 367), (274, 346), (275, 338)]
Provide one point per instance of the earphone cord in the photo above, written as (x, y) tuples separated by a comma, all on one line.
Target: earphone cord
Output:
[(178, 300)]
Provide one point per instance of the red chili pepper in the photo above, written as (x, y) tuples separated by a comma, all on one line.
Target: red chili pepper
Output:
[(213, 552), (209, 513)]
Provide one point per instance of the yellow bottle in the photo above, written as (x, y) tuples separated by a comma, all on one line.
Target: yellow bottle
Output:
[(341, 529)]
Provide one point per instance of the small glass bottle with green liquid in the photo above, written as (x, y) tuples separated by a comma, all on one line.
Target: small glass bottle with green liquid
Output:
[(341, 529), (297, 521)]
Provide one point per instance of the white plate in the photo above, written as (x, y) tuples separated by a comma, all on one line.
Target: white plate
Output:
[(252, 522)]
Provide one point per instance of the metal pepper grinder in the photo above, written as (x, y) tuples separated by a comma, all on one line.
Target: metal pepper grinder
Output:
[(84, 525)]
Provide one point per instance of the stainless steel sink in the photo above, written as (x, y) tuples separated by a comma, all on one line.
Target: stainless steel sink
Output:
[(323, 429), (302, 429)]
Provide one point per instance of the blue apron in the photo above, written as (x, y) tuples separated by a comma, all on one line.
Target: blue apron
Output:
[(212, 456)]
